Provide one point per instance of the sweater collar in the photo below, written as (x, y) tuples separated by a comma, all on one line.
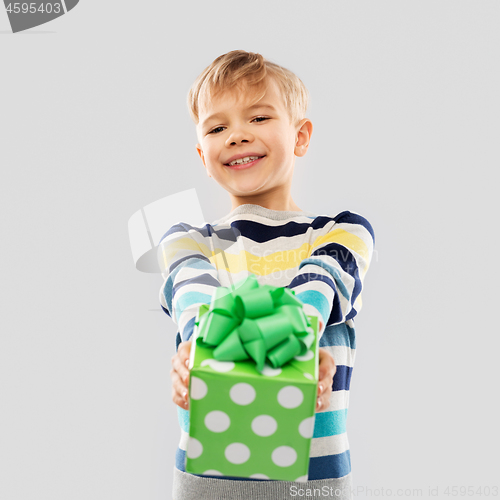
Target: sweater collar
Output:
[(249, 208)]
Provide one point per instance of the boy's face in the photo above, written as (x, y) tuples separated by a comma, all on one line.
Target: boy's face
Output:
[(228, 128)]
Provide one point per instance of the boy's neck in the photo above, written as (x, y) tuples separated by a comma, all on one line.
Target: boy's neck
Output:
[(270, 202)]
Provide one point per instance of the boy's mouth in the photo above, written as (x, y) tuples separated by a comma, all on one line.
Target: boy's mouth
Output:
[(245, 162)]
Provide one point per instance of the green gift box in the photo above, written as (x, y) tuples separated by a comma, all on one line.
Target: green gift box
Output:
[(253, 385)]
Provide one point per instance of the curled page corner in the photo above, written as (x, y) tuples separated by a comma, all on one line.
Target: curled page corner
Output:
[(25, 15), (148, 225)]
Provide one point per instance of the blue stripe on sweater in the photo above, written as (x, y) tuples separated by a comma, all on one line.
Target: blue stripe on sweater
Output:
[(169, 284), (185, 301), (317, 300), (350, 218), (262, 233), (198, 258), (188, 329), (317, 261), (336, 315), (340, 334), (346, 261), (308, 277), (342, 378), (351, 314), (227, 234), (180, 459), (330, 466), (184, 227), (177, 228), (254, 230), (330, 423), (191, 298), (183, 416), (203, 279), (197, 263)]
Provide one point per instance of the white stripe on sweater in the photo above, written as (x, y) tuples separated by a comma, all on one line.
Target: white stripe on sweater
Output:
[(329, 445)]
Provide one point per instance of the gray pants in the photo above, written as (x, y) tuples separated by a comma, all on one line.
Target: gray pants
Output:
[(190, 487)]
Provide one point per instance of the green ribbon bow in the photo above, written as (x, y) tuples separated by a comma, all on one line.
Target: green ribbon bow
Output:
[(255, 321)]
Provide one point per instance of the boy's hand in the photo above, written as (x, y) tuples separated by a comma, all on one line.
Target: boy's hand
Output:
[(180, 375), (327, 370)]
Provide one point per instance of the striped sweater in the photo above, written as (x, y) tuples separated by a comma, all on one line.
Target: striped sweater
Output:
[(323, 259)]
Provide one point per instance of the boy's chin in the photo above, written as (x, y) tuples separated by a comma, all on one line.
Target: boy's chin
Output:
[(243, 191), (243, 187)]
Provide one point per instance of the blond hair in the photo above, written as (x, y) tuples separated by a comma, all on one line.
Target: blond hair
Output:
[(237, 68)]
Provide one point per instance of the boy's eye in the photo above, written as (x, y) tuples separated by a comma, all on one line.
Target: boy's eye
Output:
[(212, 131), (260, 118)]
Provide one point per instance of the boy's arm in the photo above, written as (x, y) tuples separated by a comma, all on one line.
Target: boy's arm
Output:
[(189, 276), (329, 281)]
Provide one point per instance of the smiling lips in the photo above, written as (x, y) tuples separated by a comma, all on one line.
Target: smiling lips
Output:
[(247, 164)]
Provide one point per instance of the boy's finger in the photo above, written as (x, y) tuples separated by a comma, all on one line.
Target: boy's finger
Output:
[(326, 361), (326, 375), (322, 402), (184, 349), (179, 393), (184, 404), (178, 383), (326, 381), (179, 366), (318, 404), (179, 386), (325, 401)]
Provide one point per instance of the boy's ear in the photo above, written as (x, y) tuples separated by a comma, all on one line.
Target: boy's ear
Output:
[(202, 156), (304, 133)]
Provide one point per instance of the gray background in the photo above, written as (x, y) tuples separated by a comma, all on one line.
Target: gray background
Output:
[(94, 125)]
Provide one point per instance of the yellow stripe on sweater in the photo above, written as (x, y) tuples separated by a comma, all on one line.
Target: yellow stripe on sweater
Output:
[(280, 260), (350, 241)]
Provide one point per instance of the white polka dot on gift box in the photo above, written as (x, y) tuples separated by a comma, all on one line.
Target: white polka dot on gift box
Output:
[(251, 428)]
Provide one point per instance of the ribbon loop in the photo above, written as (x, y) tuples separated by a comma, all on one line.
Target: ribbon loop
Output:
[(258, 322)]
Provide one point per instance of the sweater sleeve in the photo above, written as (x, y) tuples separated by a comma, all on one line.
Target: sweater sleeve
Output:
[(190, 278), (330, 279)]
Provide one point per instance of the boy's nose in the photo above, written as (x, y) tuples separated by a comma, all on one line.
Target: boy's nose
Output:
[(243, 140), (239, 136)]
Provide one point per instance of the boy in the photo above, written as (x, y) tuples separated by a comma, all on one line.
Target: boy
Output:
[(249, 116)]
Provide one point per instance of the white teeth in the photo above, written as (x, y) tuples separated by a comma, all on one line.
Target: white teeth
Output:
[(244, 160)]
